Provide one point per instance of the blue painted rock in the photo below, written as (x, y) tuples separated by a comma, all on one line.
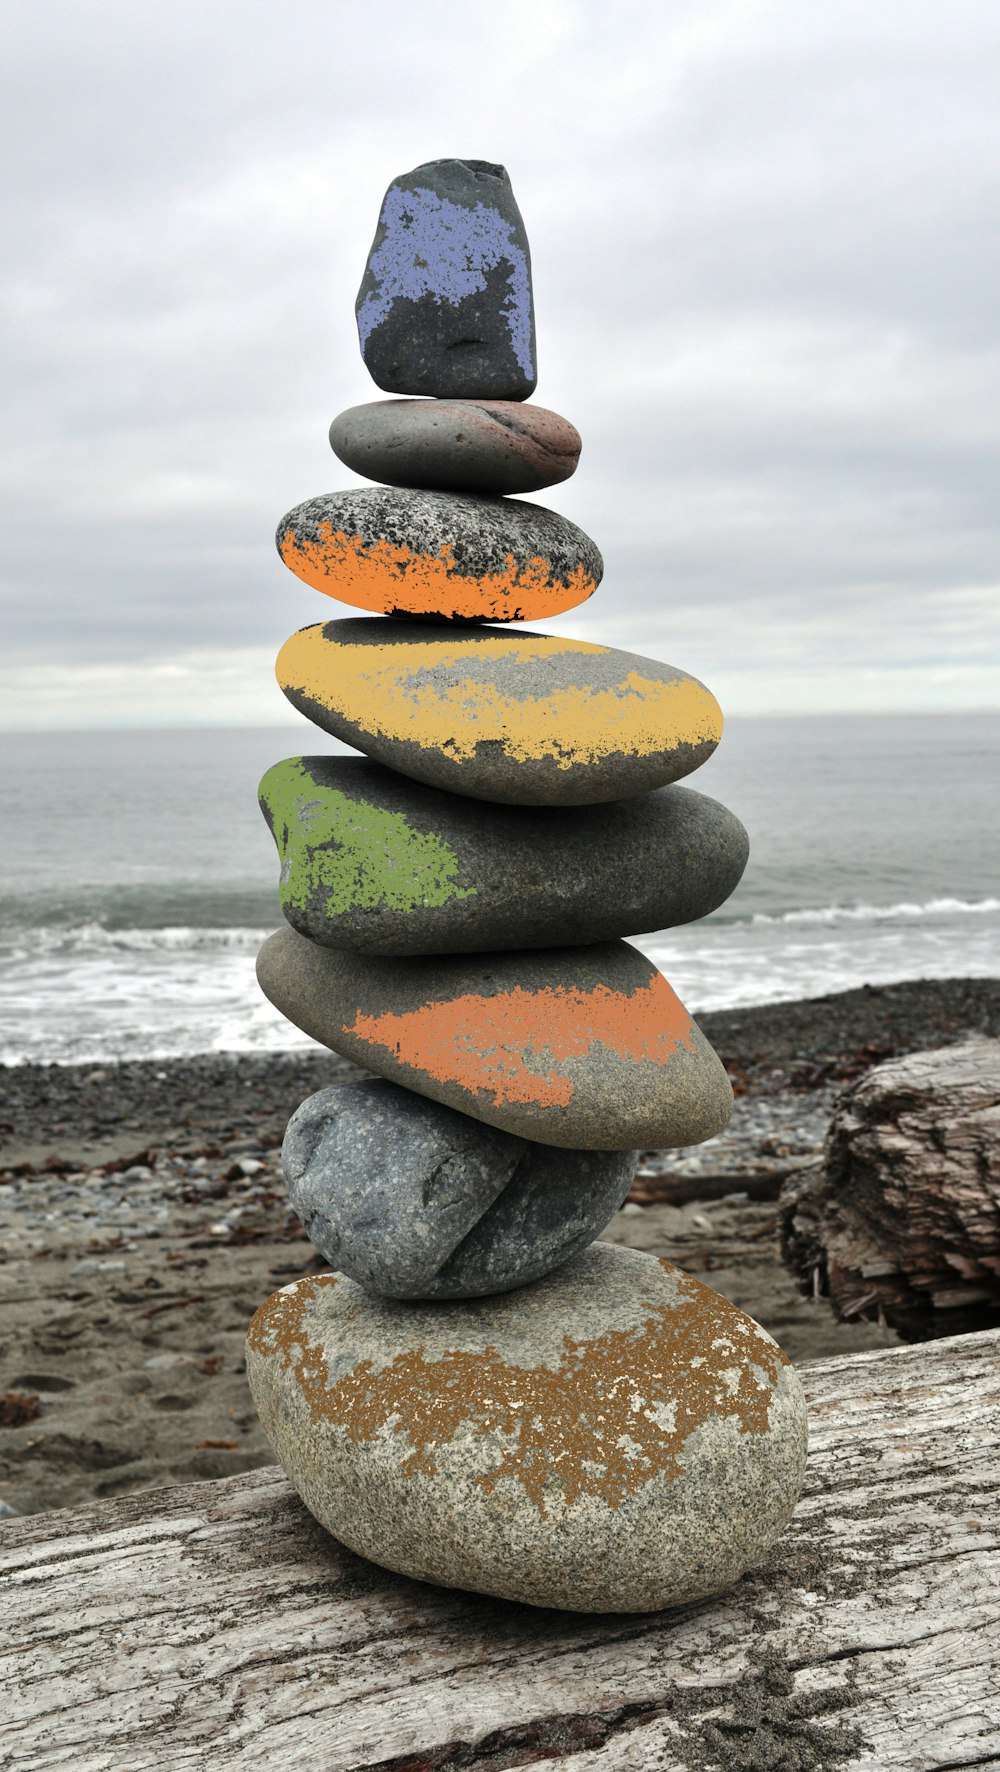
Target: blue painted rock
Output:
[(377, 863), (496, 446), (445, 554), (499, 714), (614, 1438), (587, 1048), (445, 304), (414, 1200)]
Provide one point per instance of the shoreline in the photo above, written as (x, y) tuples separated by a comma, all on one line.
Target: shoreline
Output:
[(801, 1044), (143, 1219)]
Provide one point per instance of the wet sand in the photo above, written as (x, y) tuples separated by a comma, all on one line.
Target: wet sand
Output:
[(143, 1220)]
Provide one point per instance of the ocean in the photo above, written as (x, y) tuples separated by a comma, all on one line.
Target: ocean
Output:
[(138, 878)]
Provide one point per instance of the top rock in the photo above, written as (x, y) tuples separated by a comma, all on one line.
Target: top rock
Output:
[(445, 306)]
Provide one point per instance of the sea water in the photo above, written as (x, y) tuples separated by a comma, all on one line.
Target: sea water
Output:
[(138, 878)]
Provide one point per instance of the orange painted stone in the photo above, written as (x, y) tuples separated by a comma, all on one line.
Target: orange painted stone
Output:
[(499, 714), (588, 1048), (447, 554)]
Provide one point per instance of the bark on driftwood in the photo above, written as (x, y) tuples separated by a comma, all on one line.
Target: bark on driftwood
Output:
[(215, 1626), (901, 1221)]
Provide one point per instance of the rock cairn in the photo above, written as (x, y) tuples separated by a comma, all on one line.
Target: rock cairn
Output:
[(481, 1395)]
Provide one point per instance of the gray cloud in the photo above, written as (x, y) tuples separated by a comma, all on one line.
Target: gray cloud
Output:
[(766, 269)]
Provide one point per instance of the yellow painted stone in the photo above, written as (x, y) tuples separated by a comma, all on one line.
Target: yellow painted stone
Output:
[(526, 718)]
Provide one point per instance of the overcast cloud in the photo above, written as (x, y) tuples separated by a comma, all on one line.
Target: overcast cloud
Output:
[(767, 282)]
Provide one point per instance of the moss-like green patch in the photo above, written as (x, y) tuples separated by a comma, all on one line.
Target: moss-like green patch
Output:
[(346, 855)]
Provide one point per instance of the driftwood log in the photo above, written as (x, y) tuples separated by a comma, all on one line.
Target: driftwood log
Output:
[(215, 1626), (900, 1222)]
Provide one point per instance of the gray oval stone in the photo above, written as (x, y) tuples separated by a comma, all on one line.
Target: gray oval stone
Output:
[(414, 1200), (445, 304), (613, 1438), (496, 446), (586, 1048), (383, 865), (500, 714), (451, 555)]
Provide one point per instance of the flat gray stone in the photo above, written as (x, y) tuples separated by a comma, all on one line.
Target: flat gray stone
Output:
[(379, 864), (445, 305), (498, 446), (587, 1048), (414, 1200), (450, 555), (501, 714), (613, 1438)]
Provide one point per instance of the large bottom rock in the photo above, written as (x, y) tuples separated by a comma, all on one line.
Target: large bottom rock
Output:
[(415, 1200), (615, 1437)]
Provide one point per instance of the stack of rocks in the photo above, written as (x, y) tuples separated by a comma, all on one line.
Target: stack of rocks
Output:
[(481, 1395)]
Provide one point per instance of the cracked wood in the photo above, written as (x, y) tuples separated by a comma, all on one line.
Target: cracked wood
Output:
[(216, 1625), (902, 1219)]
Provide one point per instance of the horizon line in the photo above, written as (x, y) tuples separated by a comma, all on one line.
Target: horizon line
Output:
[(862, 713)]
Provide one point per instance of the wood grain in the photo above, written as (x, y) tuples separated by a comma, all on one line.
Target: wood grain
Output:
[(216, 1626), (901, 1221)]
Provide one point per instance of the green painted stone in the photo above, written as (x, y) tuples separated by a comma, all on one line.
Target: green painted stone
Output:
[(374, 862)]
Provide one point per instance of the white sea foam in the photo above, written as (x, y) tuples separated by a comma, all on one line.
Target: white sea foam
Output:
[(142, 994), (53, 938), (729, 965), (881, 913), (92, 994)]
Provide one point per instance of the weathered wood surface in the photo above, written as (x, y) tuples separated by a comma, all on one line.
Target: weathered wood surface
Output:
[(653, 1187), (901, 1221), (215, 1626)]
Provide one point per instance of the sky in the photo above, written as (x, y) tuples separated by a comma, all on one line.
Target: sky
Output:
[(766, 263)]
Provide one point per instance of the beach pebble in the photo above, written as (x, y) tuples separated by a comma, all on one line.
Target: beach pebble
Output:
[(500, 714), (614, 1438), (414, 1200), (445, 304), (377, 863), (586, 1047), (445, 554), (497, 446)]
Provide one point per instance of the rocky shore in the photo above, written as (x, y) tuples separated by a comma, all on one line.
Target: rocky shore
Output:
[(142, 1219)]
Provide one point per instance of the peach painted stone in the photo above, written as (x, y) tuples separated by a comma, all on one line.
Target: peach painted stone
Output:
[(615, 1437), (499, 714), (447, 554), (588, 1048)]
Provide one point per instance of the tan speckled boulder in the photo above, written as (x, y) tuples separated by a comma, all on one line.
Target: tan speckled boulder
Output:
[(615, 1437)]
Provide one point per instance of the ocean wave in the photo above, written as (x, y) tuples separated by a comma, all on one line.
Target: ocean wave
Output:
[(158, 994), (881, 913), (95, 938)]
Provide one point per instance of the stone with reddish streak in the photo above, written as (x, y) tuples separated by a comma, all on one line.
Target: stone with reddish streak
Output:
[(493, 446)]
